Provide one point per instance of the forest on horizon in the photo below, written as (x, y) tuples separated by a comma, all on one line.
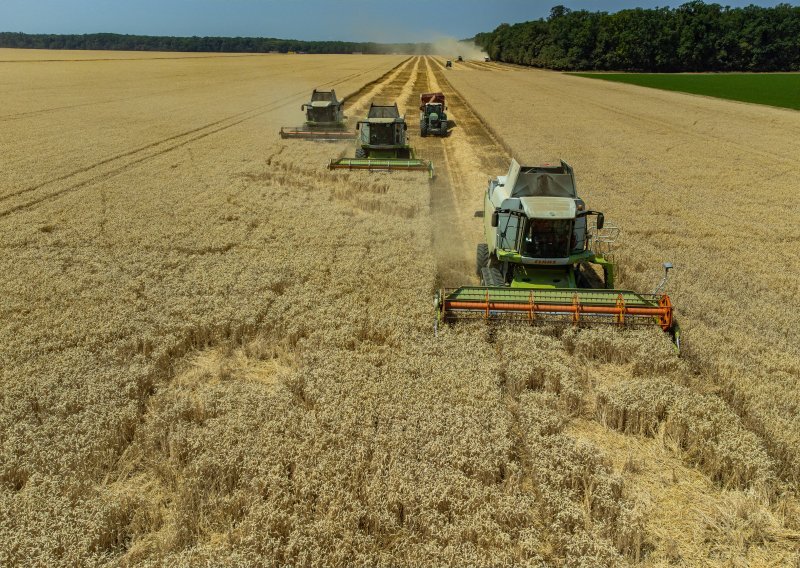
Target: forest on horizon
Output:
[(693, 37)]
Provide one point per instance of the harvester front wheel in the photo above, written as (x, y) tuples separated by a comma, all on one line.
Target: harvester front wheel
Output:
[(361, 153), (481, 258), (491, 277)]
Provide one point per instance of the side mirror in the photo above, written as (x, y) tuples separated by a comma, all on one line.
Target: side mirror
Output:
[(601, 220), (358, 126), (495, 218), (405, 126), (479, 214)]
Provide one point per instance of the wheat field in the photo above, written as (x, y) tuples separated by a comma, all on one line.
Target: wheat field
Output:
[(215, 351)]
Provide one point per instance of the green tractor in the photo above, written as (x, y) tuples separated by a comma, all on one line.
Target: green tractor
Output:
[(382, 144), (543, 261), (432, 116)]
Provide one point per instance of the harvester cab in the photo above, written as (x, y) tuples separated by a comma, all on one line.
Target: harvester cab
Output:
[(325, 119), (536, 265), (432, 116), (382, 143)]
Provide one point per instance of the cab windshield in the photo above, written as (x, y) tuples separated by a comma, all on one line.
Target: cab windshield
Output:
[(382, 134), (547, 238)]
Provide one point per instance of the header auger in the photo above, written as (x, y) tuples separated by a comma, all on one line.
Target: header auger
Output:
[(382, 144), (325, 119), (537, 263)]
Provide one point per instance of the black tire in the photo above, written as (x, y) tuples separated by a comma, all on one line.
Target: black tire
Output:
[(491, 277), (481, 258), (361, 153), (423, 128)]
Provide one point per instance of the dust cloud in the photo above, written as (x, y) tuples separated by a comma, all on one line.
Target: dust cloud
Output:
[(451, 47)]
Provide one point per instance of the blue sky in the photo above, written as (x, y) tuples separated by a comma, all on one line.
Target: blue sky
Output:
[(356, 20)]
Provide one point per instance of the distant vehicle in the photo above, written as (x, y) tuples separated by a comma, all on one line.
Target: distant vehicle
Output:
[(460, 58), (487, 59), (449, 64)]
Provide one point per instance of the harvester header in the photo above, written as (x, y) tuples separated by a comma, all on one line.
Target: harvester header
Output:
[(567, 305)]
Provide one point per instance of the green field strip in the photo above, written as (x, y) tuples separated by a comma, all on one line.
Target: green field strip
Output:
[(774, 89)]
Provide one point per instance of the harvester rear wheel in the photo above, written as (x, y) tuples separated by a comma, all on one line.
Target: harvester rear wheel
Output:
[(481, 258)]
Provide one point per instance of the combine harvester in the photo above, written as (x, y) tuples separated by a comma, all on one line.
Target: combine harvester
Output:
[(536, 264), (324, 119), (432, 118), (382, 144)]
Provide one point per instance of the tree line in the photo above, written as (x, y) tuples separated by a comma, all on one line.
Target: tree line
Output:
[(692, 37), (200, 44)]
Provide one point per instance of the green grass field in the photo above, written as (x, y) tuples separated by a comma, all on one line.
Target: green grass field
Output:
[(775, 89)]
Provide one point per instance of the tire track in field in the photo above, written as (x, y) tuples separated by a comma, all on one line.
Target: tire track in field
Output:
[(473, 155), (167, 139), (142, 153), (452, 242), (357, 103), (494, 154), (648, 122), (490, 66), (193, 88), (470, 65)]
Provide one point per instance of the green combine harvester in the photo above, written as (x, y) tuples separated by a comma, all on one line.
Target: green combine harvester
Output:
[(544, 262), (325, 119), (382, 144)]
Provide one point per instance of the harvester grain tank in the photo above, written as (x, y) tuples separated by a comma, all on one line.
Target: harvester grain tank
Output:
[(325, 119), (432, 116), (536, 263), (382, 144)]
